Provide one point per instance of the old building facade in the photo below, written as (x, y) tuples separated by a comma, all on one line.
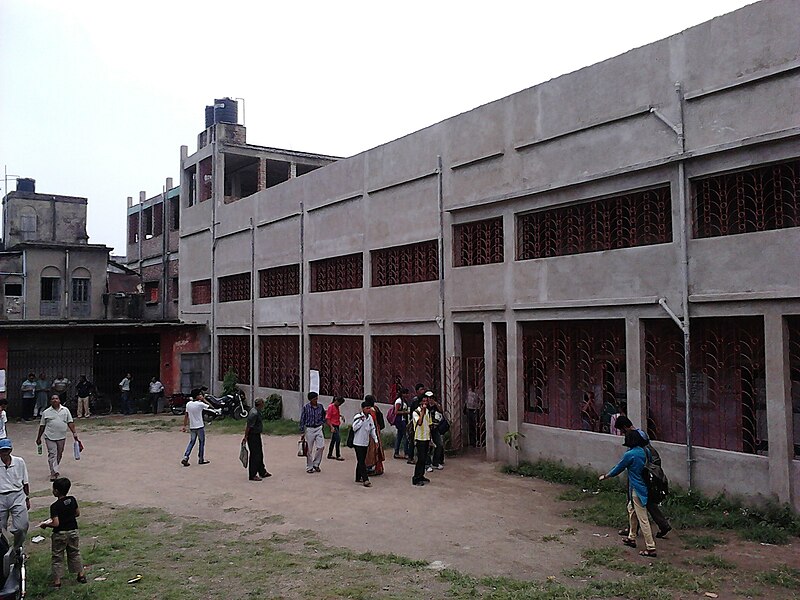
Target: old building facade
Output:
[(616, 239)]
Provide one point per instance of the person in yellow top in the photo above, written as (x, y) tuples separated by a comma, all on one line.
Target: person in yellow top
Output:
[(422, 439)]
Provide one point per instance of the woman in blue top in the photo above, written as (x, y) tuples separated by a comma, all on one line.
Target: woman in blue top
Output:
[(634, 461)]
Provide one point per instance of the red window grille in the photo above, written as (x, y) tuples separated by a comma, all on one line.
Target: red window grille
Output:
[(133, 228), (635, 219), (158, 219), (727, 383), (279, 281), (478, 243), (501, 374), (234, 355), (403, 361), (340, 362), (566, 362), (201, 291), (337, 273), (757, 199), (151, 292), (794, 369), (279, 362), (400, 265), (233, 288)]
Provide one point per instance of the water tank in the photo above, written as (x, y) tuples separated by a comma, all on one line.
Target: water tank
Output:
[(209, 116), (26, 184), (226, 110)]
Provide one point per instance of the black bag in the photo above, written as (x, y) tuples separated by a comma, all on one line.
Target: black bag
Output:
[(381, 422), (655, 480), (444, 426), (350, 437)]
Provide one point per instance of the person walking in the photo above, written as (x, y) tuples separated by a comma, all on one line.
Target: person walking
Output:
[(42, 391), (54, 424), (84, 389), (193, 419), (312, 419), (401, 413), (422, 440), (333, 417), (64, 513), (125, 395), (634, 461), (14, 493), (420, 390), (156, 389), (364, 433), (59, 386), (252, 436), (28, 389)]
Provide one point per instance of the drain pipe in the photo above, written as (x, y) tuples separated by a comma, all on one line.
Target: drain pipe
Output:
[(304, 368), (440, 319), (254, 285)]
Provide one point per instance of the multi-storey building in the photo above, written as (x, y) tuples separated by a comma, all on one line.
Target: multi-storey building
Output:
[(625, 235)]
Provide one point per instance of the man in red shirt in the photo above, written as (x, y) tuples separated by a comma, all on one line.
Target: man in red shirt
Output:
[(334, 420)]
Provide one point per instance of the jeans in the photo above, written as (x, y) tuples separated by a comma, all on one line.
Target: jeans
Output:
[(401, 436), (335, 441), (199, 433), (126, 408), (437, 456), (361, 463), (422, 458), (154, 402)]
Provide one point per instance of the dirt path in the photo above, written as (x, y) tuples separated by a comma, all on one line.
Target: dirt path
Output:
[(476, 519)]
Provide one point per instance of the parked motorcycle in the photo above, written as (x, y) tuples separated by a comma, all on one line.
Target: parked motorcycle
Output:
[(12, 571), (229, 404)]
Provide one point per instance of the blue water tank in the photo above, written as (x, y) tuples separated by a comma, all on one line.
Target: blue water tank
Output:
[(26, 184), (209, 116), (226, 110)]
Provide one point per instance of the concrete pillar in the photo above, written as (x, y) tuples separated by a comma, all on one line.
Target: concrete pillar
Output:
[(367, 341), (292, 170), (262, 174), (516, 406), (779, 405), (489, 387), (635, 372)]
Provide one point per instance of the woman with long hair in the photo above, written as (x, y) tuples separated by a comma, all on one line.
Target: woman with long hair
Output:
[(375, 456)]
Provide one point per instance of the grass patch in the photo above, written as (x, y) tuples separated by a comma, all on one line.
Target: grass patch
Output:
[(701, 542), (782, 576), (711, 561), (602, 504)]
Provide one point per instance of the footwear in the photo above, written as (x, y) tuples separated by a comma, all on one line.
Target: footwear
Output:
[(330, 457), (185, 462), (359, 482), (309, 470), (396, 456), (339, 458), (203, 462), (256, 478), (439, 467), (266, 474), (429, 470), (426, 480), (623, 532), (57, 585), (317, 469), (410, 462), (662, 534), (81, 579), (367, 483), (419, 483), (648, 553), (629, 543)]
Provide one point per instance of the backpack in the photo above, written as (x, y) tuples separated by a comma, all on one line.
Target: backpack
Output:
[(444, 426), (390, 416), (350, 437), (381, 422), (655, 480)]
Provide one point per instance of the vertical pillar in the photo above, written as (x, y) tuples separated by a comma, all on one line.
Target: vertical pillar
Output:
[(368, 389), (634, 368), (489, 387), (262, 174), (292, 170), (516, 408), (779, 405)]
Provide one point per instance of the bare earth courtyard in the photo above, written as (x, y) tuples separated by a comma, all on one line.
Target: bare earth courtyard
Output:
[(475, 519)]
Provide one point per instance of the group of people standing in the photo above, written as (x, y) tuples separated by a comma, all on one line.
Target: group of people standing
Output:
[(36, 391)]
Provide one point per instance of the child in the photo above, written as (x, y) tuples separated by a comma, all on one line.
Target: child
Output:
[(63, 520), (3, 418)]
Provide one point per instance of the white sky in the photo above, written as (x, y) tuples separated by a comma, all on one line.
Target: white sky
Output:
[(96, 97)]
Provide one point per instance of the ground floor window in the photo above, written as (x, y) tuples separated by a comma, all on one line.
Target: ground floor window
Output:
[(340, 362), (233, 353), (279, 362), (403, 361)]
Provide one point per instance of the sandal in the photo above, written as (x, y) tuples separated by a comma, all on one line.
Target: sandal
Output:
[(623, 532), (81, 579), (629, 543), (648, 553), (339, 458)]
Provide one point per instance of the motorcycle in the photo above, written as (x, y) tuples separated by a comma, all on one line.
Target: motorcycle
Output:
[(229, 404), (12, 571)]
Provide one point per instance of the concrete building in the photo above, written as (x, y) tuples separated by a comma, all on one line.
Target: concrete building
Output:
[(625, 235)]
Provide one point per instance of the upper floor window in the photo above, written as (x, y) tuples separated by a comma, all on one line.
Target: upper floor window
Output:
[(411, 263), (175, 214), (201, 291), (27, 223), (50, 289), (478, 243), (279, 281), (80, 289), (147, 222), (337, 273), (234, 287), (151, 292), (628, 220), (158, 219), (13, 289), (759, 199)]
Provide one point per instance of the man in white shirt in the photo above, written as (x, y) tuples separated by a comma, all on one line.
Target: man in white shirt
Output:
[(14, 493), (156, 387), (125, 395), (54, 424), (193, 418)]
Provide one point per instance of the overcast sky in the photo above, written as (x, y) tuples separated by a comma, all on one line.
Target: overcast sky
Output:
[(96, 97)]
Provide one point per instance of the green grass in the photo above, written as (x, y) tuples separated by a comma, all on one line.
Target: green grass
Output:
[(702, 541), (602, 504), (711, 561), (783, 576)]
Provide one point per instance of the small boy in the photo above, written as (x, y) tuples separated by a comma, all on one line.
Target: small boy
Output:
[(63, 519)]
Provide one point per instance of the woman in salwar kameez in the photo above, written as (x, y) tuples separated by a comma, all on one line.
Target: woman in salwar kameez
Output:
[(375, 456)]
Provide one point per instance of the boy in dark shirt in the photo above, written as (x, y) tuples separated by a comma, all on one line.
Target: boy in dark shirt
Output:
[(63, 519)]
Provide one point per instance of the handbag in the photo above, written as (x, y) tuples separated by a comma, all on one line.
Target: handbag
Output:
[(302, 448), (244, 456)]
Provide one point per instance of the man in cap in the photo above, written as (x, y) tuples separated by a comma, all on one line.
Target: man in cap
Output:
[(14, 493)]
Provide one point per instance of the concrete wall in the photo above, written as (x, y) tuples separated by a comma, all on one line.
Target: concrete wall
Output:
[(58, 218)]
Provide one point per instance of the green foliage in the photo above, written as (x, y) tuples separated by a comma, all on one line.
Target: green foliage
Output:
[(513, 439), (712, 561), (783, 576), (230, 382), (701, 542), (273, 408)]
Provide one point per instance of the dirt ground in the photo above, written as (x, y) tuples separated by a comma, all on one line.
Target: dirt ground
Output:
[(477, 519)]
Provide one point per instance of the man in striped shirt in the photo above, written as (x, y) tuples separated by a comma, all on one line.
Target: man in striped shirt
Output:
[(312, 418)]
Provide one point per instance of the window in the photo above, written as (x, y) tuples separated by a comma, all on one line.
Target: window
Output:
[(158, 219), (205, 180), (175, 214), (27, 224), (626, 221), (759, 199), (147, 222), (478, 243), (400, 265), (174, 289), (279, 281), (338, 273), (151, 292), (80, 289), (233, 353), (133, 228), (340, 362), (13, 289), (234, 287), (201, 291), (191, 177), (279, 362), (50, 289)]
